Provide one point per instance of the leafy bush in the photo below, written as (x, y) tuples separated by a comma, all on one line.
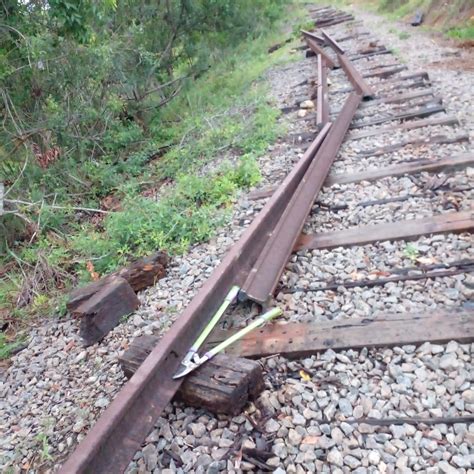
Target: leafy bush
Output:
[(462, 33), (84, 83), (98, 120), (189, 213)]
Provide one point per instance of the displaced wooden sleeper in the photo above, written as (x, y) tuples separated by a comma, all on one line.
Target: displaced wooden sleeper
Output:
[(223, 385), (104, 310), (101, 305)]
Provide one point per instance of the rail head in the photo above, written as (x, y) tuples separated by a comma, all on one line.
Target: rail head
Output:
[(332, 42), (113, 440)]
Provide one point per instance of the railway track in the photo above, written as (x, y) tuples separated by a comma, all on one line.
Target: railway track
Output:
[(363, 95)]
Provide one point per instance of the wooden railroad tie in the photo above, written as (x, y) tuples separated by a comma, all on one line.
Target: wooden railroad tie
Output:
[(417, 142), (399, 108), (399, 98), (448, 121), (101, 305), (296, 340), (421, 112), (399, 82), (423, 272), (104, 309), (400, 230), (224, 385), (450, 163)]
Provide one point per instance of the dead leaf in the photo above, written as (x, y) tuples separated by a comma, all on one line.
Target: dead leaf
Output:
[(90, 268), (452, 202), (356, 276), (69, 345), (111, 203), (376, 274), (379, 273), (304, 375), (426, 260), (310, 440)]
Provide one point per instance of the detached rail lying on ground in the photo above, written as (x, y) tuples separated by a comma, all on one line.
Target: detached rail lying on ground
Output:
[(119, 432), (256, 261)]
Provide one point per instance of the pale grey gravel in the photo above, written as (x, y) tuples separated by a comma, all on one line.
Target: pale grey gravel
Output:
[(55, 389), (310, 424)]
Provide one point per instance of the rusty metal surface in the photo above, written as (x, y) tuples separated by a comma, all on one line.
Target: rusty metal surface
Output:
[(113, 440), (357, 81), (119, 432), (318, 50), (266, 272), (332, 42), (322, 103), (313, 36)]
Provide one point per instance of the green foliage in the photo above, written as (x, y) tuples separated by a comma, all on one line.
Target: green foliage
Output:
[(84, 83), (94, 88), (246, 174), (187, 214), (452, 17), (411, 252), (462, 33), (401, 8), (45, 447), (6, 347)]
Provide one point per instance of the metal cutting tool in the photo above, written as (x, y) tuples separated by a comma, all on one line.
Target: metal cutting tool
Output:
[(192, 360)]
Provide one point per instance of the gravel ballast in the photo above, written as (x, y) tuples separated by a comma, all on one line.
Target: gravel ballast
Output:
[(310, 421)]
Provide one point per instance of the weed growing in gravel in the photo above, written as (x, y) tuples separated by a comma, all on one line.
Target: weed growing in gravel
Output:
[(6, 347), (220, 118), (411, 252), (462, 33), (189, 213), (42, 438)]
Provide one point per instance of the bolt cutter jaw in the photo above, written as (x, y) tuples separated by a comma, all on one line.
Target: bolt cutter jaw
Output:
[(186, 365), (185, 369)]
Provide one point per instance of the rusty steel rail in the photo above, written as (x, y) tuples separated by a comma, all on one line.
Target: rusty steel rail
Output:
[(113, 440), (322, 103), (358, 82), (266, 272), (318, 50), (313, 36), (332, 42), (119, 432)]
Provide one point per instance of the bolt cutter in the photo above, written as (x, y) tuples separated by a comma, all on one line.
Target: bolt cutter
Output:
[(192, 360)]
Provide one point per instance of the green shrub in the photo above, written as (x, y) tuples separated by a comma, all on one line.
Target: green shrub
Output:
[(86, 93), (86, 82), (462, 33), (189, 213)]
